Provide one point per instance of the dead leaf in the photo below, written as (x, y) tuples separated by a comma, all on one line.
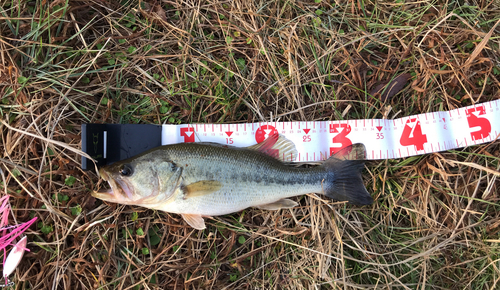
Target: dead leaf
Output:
[(388, 90), (480, 46)]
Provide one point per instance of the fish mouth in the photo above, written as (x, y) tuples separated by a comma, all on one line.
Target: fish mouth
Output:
[(119, 191)]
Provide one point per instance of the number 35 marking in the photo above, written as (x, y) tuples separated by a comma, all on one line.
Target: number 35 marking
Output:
[(380, 135)]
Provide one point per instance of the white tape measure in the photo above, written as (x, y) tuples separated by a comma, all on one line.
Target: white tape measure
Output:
[(383, 138)]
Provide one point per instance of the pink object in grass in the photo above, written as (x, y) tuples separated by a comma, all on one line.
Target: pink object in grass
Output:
[(8, 234), (14, 257), (4, 211)]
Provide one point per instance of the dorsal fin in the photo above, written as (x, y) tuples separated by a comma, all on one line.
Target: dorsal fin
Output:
[(352, 152), (277, 146)]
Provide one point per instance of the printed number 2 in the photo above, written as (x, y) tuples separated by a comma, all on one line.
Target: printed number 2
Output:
[(412, 135), (229, 140)]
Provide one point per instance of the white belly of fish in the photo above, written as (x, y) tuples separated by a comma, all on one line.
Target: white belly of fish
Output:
[(232, 198)]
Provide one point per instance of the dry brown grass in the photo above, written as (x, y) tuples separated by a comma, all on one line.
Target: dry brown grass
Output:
[(435, 220)]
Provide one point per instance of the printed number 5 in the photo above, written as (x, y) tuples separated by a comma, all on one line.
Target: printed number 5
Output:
[(476, 122), (380, 135), (229, 140)]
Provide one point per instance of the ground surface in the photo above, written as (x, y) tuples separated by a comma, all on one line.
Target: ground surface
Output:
[(434, 223)]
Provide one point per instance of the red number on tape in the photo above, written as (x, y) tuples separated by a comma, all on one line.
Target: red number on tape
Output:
[(474, 122), (340, 140), (263, 132), (412, 135), (188, 134)]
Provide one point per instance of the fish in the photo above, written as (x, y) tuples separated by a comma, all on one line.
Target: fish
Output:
[(198, 180)]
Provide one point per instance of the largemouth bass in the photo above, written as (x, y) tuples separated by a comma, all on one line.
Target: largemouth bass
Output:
[(199, 180)]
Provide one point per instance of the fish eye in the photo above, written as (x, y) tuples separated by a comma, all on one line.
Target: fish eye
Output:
[(125, 170)]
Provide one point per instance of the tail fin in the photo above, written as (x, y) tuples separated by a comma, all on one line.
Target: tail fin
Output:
[(344, 181)]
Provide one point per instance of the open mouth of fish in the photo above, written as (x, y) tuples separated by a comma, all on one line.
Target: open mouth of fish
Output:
[(116, 191)]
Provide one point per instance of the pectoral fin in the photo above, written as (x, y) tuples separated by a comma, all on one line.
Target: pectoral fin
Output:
[(194, 220), (282, 203), (201, 188)]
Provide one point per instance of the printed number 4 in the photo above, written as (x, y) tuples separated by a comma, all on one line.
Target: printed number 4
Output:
[(412, 135)]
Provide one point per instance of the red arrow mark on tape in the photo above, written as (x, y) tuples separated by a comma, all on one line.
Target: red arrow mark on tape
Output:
[(188, 134), (229, 133), (379, 128), (306, 131)]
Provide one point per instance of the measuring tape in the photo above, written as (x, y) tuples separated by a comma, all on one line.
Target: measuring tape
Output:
[(314, 141), (383, 138)]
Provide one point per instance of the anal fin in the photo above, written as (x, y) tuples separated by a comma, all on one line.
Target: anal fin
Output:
[(194, 220), (282, 203)]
